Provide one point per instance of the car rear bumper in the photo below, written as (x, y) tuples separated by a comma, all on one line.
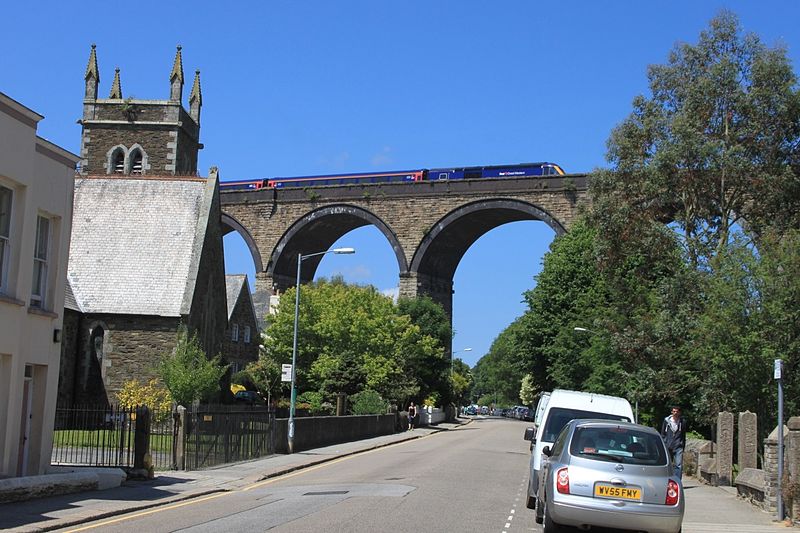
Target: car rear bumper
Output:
[(578, 511)]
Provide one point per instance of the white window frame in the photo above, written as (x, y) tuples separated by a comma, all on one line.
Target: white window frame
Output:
[(247, 334), (5, 238), (235, 332), (41, 255)]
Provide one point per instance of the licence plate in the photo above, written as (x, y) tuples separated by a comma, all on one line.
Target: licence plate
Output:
[(610, 491)]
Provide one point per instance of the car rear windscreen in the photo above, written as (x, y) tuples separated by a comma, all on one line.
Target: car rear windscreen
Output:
[(620, 444)]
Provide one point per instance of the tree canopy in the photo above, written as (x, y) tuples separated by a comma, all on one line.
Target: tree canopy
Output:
[(353, 338), (681, 274)]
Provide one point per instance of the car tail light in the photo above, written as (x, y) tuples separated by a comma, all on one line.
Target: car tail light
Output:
[(562, 481), (673, 493)]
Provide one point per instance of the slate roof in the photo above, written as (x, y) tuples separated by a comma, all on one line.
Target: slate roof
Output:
[(69, 298), (233, 288), (134, 242)]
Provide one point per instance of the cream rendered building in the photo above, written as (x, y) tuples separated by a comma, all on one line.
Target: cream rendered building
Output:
[(36, 188)]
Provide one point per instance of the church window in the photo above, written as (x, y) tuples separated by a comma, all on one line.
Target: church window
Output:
[(247, 334), (118, 161), (136, 162), (235, 332)]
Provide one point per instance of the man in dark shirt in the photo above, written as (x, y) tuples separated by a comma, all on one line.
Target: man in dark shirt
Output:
[(673, 431)]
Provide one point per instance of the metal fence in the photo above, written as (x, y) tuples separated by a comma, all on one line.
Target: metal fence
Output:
[(94, 436), (206, 436), (219, 434)]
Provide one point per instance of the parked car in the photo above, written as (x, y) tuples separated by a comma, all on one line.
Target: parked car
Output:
[(248, 397), (561, 407), (601, 473), (471, 410)]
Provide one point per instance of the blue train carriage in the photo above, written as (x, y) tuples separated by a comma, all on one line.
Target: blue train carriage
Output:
[(346, 179), (243, 185), (522, 170)]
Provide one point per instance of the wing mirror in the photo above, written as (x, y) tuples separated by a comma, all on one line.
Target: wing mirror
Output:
[(546, 451), (530, 434)]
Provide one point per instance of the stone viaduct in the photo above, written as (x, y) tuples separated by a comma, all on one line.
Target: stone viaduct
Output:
[(429, 224)]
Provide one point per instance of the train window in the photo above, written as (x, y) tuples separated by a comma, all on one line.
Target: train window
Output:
[(472, 174), (443, 175)]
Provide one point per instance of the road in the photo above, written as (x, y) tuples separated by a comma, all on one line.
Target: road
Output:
[(469, 479)]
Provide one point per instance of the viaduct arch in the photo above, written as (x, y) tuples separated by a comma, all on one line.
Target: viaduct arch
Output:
[(429, 225)]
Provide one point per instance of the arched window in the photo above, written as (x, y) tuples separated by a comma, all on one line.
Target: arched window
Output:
[(97, 343), (136, 162), (118, 162)]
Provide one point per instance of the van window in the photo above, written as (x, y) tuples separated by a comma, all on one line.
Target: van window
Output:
[(560, 417)]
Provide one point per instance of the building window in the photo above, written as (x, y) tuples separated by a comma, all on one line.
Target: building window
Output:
[(247, 334), (235, 332), (6, 196), (40, 253)]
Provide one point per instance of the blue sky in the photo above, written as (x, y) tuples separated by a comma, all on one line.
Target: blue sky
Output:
[(319, 87)]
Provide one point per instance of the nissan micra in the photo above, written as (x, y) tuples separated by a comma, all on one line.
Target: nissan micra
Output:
[(609, 474)]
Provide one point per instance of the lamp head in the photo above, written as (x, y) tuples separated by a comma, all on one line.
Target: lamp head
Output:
[(344, 250)]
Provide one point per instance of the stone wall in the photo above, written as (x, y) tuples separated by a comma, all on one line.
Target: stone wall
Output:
[(318, 431), (131, 348), (241, 352), (164, 130), (70, 333)]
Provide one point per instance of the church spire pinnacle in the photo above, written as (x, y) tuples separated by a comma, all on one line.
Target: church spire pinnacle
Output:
[(116, 86), (176, 77), (195, 98), (92, 75)]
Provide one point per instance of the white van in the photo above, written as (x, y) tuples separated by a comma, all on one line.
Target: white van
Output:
[(561, 407)]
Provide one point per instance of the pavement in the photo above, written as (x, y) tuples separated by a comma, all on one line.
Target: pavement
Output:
[(708, 508)]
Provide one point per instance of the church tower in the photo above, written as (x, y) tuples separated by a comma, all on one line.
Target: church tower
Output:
[(129, 136)]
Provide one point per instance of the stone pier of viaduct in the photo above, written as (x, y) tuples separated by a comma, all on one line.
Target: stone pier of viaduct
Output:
[(430, 224)]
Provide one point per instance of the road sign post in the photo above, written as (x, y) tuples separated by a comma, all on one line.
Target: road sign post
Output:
[(778, 375)]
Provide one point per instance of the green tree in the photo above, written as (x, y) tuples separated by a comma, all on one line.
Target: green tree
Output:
[(350, 338), (498, 374), (528, 390), (265, 375), (188, 374), (714, 144), (368, 402), (432, 373), (461, 382)]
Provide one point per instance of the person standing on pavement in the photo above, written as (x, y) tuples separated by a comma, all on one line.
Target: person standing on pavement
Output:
[(673, 431), (412, 413)]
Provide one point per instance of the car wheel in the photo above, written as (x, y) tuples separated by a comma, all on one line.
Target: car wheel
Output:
[(549, 525)]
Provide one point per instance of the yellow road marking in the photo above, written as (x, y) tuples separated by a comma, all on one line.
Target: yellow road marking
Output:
[(150, 511)]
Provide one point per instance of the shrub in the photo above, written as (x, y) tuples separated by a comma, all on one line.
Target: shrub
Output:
[(368, 402), (152, 394), (315, 403), (188, 373)]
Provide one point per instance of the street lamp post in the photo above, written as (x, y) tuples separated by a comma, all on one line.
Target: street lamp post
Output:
[(300, 259)]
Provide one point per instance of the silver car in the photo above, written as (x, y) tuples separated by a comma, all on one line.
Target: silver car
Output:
[(609, 474)]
